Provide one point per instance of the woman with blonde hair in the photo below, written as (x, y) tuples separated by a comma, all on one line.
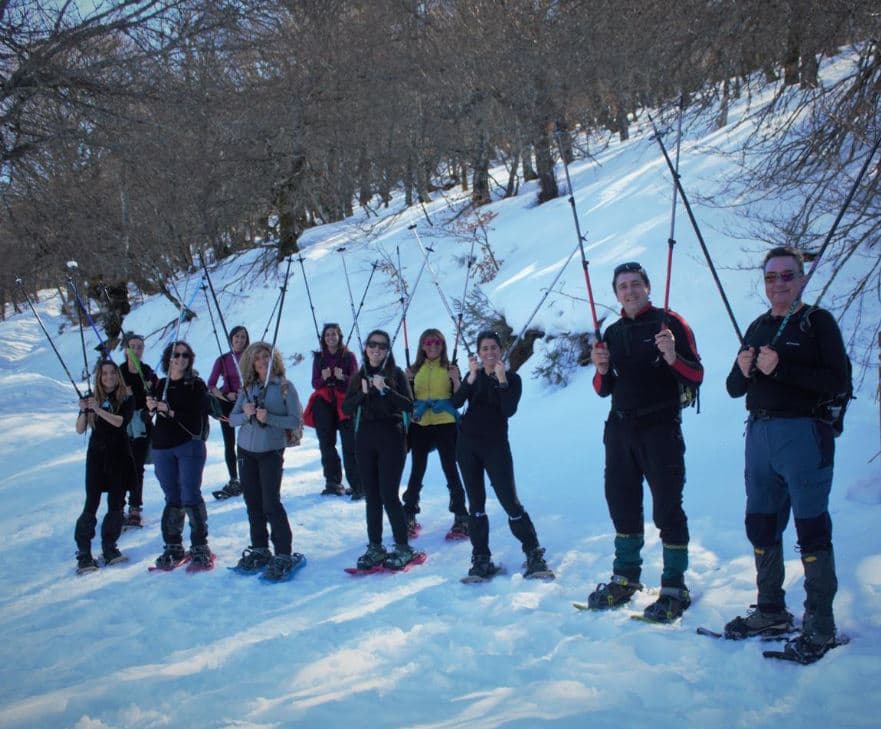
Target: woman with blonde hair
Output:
[(267, 407), (109, 464)]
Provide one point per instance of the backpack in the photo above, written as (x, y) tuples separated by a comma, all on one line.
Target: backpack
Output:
[(292, 436), (831, 409)]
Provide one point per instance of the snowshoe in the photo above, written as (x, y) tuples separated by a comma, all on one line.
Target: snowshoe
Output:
[(413, 526), (282, 567), (173, 556), (369, 562), (232, 488), (112, 555), (459, 530), (671, 603), (767, 624), (333, 488), (806, 648), (400, 557), (133, 520), (253, 560), (536, 567), (612, 594), (85, 563), (482, 570), (201, 559)]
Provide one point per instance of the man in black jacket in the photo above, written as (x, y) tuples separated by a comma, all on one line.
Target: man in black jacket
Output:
[(647, 361), (792, 363)]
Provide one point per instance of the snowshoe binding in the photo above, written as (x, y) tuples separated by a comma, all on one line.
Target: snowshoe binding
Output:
[(459, 530), (402, 557), (201, 559), (807, 648), (482, 569), (767, 624), (282, 567), (612, 594), (85, 563), (112, 555), (253, 560), (232, 488), (671, 603), (173, 556), (536, 567)]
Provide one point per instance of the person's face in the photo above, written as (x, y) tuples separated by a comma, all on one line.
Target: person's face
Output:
[(261, 363), (377, 347), (632, 293), (239, 341), (490, 353), (332, 339), (433, 346), (780, 291), (180, 360), (109, 378), (137, 348)]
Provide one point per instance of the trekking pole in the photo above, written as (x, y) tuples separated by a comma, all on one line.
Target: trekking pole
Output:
[(678, 181), (341, 250), (375, 265), (585, 264), (462, 304), (27, 298), (309, 296), (434, 278), (406, 306), (82, 307), (671, 240), (284, 289), (176, 339), (148, 388), (547, 292), (220, 314), (403, 308), (204, 288), (271, 318), (797, 300)]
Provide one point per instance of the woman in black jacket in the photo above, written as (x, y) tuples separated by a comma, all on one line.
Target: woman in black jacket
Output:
[(109, 465), (379, 399), (482, 447)]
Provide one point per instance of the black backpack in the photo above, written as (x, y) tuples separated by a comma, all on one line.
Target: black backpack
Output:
[(832, 408)]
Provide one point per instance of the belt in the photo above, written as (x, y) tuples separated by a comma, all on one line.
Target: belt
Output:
[(763, 414)]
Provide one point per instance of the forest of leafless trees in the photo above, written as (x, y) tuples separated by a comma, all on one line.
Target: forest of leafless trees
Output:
[(134, 135)]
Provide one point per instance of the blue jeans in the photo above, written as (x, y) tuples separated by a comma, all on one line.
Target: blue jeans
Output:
[(179, 471)]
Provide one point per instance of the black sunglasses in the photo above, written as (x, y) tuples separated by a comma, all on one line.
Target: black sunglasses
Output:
[(629, 267), (377, 345), (178, 355)]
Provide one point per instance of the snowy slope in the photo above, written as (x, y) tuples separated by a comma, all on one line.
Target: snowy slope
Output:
[(126, 648)]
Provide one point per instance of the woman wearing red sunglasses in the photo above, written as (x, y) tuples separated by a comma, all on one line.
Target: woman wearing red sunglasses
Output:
[(434, 380)]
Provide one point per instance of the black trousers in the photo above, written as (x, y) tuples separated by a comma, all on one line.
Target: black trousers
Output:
[(655, 452), (477, 457), (327, 423), (261, 487), (381, 450), (423, 438), (101, 476), (140, 450), (229, 440)]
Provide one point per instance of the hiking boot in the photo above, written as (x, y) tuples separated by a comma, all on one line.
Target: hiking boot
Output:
[(612, 594), (357, 495), (281, 566), (459, 530), (233, 487), (413, 526), (400, 557), (373, 557), (808, 647), (112, 555), (672, 602), (333, 488), (85, 563), (173, 555), (536, 565), (133, 518), (200, 558), (254, 559), (766, 623), (482, 566)]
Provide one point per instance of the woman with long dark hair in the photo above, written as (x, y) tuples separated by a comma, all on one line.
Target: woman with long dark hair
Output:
[(109, 465), (226, 368), (492, 393), (378, 399), (268, 405), (434, 426), (179, 455), (332, 367)]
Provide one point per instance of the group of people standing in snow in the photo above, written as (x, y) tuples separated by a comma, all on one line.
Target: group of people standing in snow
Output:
[(793, 359)]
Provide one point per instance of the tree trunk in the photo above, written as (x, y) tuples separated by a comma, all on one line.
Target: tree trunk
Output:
[(545, 166), (722, 116), (513, 179), (480, 194), (529, 172)]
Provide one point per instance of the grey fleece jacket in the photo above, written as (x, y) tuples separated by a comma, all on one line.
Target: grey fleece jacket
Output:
[(284, 414)]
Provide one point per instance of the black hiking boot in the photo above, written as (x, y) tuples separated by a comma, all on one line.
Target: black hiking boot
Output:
[(85, 563), (281, 566), (201, 558), (413, 526), (764, 623), (112, 555), (536, 567), (808, 648), (333, 488), (400, 557), (482, 567), (612, 594), (373, 557), (254, 559), (133, 519), (173, 555), (459, 530), (672, 602)]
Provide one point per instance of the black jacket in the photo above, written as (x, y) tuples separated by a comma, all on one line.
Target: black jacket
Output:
[(389, 406), (812, 366), (188, 399), (489, 405)]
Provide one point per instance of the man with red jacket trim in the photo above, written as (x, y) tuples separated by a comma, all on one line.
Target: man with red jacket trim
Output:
[(645, 361)]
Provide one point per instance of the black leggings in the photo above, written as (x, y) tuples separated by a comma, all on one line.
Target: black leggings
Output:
[(101, 476), (327, 423), (261, 487), (229, 440), (422, 439), (381, 451)]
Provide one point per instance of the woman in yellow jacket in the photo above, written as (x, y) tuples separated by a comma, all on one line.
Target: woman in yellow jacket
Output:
[(434, 380)]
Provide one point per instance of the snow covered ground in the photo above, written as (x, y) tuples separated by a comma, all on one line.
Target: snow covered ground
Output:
[(126, 648)]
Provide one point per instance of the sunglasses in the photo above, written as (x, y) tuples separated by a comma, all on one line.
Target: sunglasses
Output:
[(786, 276), (377, 345), (433, 342), (179, 355), (629, 267)]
